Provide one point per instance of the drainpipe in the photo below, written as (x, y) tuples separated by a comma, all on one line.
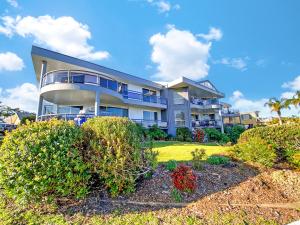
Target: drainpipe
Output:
[(41, 99)]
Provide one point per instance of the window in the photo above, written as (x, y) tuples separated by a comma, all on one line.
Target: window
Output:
[(246, 117), (149, 95), (179, 118), (103, 82), (112, 84), (123, 88), (60, 77), (150, 116), (91, 79), (113, 111), (178, 97), (69, 109), (77, 78)]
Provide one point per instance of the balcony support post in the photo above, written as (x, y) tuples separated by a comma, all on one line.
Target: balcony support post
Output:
[(41, 99), (97, 104), (222, 124)]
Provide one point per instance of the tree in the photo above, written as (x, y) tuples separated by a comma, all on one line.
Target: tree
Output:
[(276, 106), (295, 101)]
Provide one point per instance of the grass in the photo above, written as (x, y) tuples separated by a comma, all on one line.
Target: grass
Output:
[(181, 151)]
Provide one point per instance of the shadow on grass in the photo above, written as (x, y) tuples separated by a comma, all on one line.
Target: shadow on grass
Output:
[(211, 179)]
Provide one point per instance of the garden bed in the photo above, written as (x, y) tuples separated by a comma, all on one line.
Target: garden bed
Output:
[(235, 188)]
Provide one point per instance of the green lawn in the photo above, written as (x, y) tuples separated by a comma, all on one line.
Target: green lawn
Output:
[(181, 151)]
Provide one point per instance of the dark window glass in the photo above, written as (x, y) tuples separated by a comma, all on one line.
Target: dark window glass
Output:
[(77, 78), (103, 82), (113, 85)]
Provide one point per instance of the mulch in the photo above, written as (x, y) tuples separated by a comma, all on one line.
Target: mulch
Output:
[(229, 188)]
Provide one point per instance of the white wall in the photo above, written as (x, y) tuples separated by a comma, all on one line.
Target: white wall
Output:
[(137, 113)]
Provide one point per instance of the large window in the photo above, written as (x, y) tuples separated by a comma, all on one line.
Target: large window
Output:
[(179, 118), (150, 116), (69, 109), (178, 97), (113, 111)]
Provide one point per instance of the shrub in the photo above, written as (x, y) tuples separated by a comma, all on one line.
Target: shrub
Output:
[(184, 179), (217, 160), (216, 135), (115, 152), (41, 161), (234, 132), (171, 165), (199, 135), (285, 139), (156, 133), (30, 118), (176, 195), (183, 134), (198, 156), (255, 150)]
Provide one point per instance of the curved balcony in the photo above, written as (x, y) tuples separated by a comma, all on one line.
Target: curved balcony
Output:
[(94, 80), (71, 116)]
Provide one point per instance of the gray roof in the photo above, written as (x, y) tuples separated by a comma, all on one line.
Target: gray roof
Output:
[(45, 53)]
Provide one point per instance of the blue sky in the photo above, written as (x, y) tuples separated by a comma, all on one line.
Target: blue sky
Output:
[(248, 49)]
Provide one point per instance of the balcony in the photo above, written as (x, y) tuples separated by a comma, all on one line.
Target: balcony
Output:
[(204, 104), (230, 113), (90, 78), (70, 116), (206, 123)]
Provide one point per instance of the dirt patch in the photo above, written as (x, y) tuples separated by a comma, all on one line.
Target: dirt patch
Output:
[(234, 188)]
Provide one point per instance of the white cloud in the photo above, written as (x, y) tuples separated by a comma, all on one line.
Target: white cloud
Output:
[(240, 102), (179, 53), (214, 34), (287, 95), (10, 62), (13, 3), (293, 85), (237, 63), (163, 6), (62, 34), (24, 97)]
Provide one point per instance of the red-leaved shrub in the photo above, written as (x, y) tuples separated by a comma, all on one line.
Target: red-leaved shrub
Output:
[(199, 135), (184, 178)]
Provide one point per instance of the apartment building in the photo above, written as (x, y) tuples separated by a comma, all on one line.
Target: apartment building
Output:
[(71, 87)]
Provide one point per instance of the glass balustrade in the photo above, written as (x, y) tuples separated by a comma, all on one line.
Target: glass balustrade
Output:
[(82, 77)]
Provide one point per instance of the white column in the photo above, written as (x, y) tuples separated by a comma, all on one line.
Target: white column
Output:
[(97, 104), (40, 103), (222, 125)]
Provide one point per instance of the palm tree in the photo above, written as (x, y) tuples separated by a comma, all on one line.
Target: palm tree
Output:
[(276, 106), (295, 100)]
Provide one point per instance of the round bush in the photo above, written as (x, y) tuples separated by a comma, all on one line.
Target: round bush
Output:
[(184, 178), (255, 150), (115, 153), (285, 139), (42, 161)]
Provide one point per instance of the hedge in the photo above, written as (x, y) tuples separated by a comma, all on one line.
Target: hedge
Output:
[(285, 139)]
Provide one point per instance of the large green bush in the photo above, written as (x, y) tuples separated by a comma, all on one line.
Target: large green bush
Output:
[(285, 139), (155, 133), (215, 135), (234, 132), (42, 161), (115, 153), (255, 150), (183, 134)]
